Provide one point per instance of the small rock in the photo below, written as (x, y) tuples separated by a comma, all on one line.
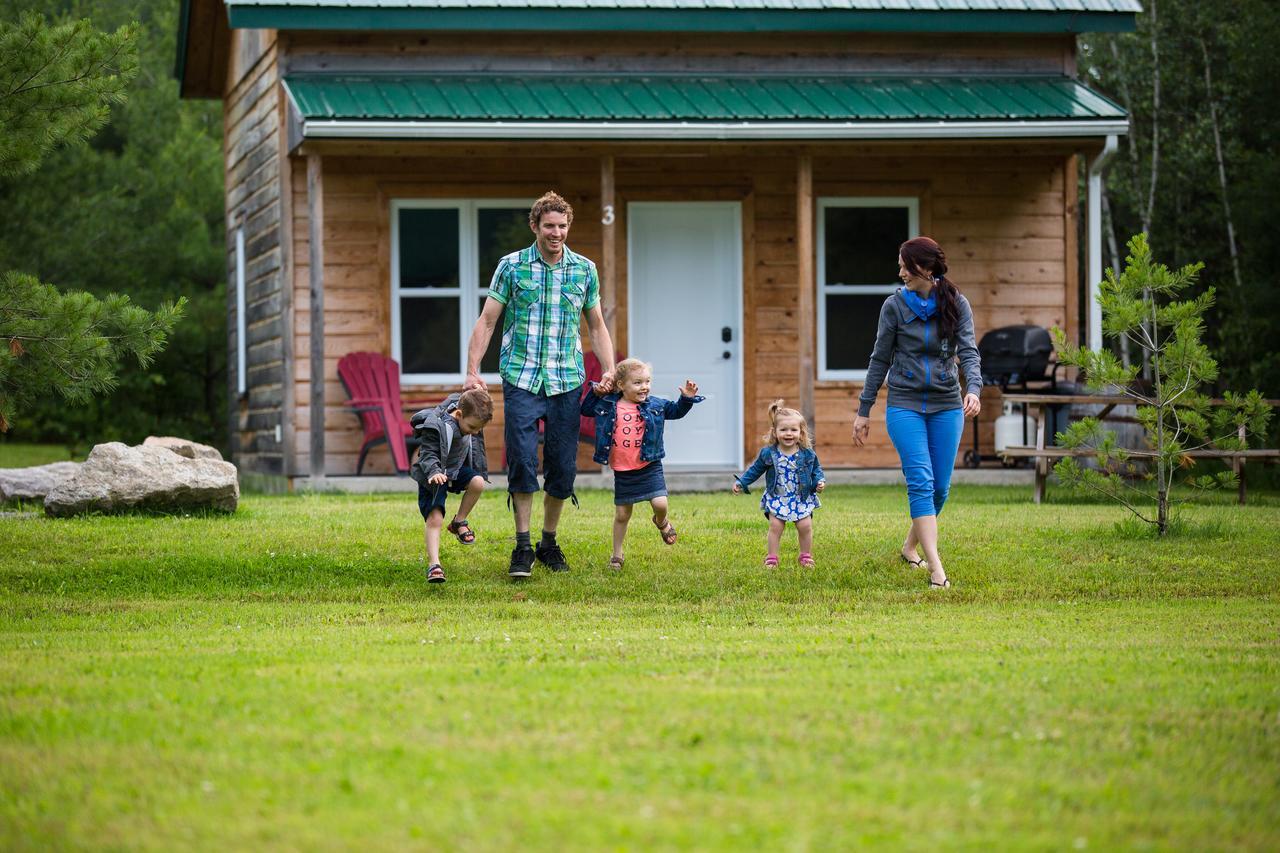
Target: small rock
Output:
[(32, 484), (183, 446), (117, 477)]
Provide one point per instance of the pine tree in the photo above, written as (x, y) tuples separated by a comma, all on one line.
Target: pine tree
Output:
[(57, 84), (1141, 306)]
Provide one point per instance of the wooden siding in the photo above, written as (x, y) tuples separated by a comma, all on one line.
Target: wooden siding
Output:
[(1003, 211), (749, 53), (254, 201)]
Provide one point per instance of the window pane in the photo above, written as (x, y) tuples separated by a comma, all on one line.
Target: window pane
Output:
[(851, 329), (862, 243), (502, 230), (489, 364), (429, 334), (429, 247)]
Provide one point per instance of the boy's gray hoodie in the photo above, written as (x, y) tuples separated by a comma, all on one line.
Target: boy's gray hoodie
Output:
[(921, 369), (442, 446)]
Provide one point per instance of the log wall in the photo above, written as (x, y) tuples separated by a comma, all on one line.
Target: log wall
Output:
[(255, 201)]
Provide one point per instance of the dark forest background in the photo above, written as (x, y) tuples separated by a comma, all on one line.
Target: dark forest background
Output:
[(139, 209)]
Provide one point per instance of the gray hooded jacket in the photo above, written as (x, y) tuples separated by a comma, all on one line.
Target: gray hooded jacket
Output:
[(442, 446), (921, 369)]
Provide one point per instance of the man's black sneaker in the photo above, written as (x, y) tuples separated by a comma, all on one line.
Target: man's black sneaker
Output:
[(521, 563), (552, 557)]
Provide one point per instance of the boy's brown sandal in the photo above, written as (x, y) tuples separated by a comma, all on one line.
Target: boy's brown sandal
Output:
[(461, 529)]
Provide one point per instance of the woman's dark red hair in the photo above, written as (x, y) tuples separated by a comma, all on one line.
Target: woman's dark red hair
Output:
[(923, 256)]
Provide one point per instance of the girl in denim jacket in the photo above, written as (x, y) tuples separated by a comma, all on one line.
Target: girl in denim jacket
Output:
[(629, 426), (793, 478)]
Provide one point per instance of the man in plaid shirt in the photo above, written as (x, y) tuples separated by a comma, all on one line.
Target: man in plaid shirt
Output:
[(541, 293)]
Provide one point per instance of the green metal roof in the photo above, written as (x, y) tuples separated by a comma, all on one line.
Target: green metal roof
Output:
[(695, 99), (1000, 16), (1130, 6)]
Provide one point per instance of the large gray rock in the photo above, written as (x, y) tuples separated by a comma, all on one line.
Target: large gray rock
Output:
[(183, 446), (32, 484), (117, 477)]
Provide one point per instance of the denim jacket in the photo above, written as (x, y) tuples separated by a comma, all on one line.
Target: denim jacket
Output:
[(808, 472), (655, 412)]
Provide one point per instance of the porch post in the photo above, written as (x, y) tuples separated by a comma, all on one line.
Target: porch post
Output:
[(608, 247), (315, 212), (805, 310), (1095, 239)]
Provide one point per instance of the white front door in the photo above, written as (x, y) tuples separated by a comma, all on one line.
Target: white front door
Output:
[(684, 298)]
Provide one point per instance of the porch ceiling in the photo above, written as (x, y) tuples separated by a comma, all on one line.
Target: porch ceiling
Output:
[(696, 107)]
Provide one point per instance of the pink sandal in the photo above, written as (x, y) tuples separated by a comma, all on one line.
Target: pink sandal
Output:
[(806, 560), (771, 562)]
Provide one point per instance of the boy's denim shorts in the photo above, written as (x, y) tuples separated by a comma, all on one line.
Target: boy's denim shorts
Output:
[(430, 497), (522, 410)]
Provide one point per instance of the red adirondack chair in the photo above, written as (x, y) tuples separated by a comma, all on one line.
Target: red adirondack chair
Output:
[(372, 381)]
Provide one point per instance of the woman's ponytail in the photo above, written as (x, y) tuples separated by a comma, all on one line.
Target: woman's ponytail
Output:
[(923, 256)]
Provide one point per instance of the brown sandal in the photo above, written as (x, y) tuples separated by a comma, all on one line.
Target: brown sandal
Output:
[(667, 531), (615, 563), (463, 531)]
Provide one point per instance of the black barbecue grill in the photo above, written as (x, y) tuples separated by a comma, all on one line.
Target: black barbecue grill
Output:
[(1015, 355), (1016, 358)]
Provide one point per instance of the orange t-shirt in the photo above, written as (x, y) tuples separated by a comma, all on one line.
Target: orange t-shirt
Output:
[(628, 433)]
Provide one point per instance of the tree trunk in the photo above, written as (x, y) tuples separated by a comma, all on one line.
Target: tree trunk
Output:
[(1148, 211), (1222, 169), (1162, 511)]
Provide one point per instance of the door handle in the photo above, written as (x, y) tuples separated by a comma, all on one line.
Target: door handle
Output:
[(726, 334)]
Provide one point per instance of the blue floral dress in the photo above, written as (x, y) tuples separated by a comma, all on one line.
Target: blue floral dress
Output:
[(787, 506)]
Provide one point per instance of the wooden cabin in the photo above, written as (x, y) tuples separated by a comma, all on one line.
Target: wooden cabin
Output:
[(741, 173)]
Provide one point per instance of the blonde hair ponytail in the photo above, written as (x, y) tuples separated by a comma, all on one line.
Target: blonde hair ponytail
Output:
[(778, 409)]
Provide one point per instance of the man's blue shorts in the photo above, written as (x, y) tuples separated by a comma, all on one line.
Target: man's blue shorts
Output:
[(560, 413), (430, 497)]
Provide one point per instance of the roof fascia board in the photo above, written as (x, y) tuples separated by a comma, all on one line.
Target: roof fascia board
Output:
[(292, 17), (458, 130)]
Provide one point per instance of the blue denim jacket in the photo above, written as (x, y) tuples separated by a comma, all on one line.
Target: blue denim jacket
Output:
[(808, 471), (655, 412)]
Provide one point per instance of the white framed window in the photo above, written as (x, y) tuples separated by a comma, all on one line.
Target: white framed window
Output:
[(857, 266), (443, 254)]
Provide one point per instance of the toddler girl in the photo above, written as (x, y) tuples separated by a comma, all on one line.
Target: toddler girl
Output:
[(629, 440), (792, 479)]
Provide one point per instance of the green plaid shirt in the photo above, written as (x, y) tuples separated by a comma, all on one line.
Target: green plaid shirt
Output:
[(541, 337)]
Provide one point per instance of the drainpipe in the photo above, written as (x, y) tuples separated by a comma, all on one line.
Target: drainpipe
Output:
[(1096, 167)]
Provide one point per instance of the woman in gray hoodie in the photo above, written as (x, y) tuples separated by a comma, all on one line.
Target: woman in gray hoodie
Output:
[(925, 327)]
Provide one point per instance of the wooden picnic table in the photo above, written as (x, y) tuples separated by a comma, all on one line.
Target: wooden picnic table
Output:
[(1040, 454)]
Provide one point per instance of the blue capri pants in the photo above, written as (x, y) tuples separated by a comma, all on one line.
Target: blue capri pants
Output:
[(927, 446)]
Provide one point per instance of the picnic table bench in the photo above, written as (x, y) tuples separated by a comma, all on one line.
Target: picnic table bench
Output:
[(1041, 455)]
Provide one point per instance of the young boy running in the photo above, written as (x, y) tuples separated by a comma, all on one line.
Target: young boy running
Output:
[(451, 458)]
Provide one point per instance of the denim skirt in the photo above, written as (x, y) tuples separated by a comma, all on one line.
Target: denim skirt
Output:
[(642, 484)]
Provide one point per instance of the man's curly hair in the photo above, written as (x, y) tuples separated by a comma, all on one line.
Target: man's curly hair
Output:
[(550, 201)]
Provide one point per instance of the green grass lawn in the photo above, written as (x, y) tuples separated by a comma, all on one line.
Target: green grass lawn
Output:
[(16, 454), (285, 677)]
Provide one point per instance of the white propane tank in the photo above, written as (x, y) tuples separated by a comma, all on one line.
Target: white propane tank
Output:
[(1009, 429)]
